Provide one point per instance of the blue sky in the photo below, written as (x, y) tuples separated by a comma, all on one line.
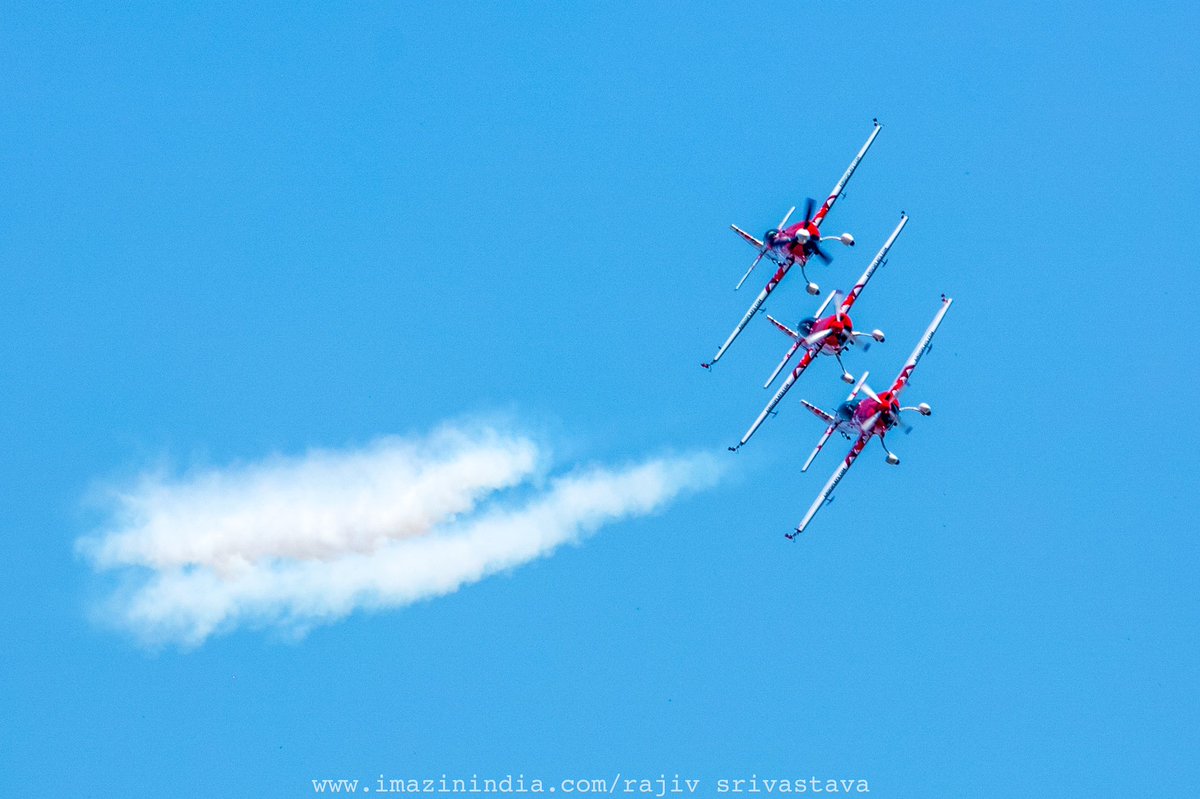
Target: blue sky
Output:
[(234, 237)]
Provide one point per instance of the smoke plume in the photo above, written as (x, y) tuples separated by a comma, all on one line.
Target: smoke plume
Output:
[(295, 542)]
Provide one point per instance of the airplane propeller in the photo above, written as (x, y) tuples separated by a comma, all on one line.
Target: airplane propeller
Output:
[(894, 411), (870, 423), (815, 337), (811, 244), (869, 427)]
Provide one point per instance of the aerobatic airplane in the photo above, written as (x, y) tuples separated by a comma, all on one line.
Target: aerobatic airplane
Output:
[(830, 335), (787, 246), (870, 416)]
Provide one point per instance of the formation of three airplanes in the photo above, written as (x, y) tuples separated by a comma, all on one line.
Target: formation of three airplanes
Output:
[(860, 419)]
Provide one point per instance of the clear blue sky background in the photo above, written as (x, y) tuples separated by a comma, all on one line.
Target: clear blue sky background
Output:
[(227, 234)]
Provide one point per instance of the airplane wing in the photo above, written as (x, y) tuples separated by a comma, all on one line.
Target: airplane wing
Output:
[(754, 308), (827, 491), (921, 348), (808, 357), (820, 444), (876, 262), (841, 184), (786, 357)]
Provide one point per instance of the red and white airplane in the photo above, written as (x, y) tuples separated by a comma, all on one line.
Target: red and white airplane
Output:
[(787, 246), (873, 415), (829, 335)]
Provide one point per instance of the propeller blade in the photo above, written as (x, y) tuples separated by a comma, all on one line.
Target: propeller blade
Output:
[(815, 337), (751, 269), (809, 204), (867, 390), (817, 251)]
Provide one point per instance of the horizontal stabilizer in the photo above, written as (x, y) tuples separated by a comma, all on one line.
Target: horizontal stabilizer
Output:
[(783, 327), (753, 242), (825, 417)]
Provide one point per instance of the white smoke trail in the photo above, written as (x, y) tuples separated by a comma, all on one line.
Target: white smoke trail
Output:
[(295, 543), (318, 506)]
